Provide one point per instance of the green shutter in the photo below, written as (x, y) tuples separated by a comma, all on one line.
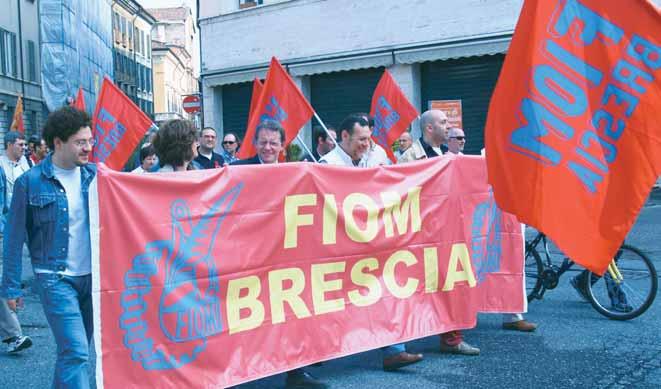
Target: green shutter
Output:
[(236, 103), (336, 95), (471, 80)]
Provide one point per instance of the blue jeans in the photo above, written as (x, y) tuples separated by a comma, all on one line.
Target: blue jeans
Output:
[(394, 349), (67, 303)]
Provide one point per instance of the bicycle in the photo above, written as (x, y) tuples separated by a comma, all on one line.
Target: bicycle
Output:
[(625, 291)]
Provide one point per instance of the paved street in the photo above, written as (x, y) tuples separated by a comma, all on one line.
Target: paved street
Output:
[(573, 347)]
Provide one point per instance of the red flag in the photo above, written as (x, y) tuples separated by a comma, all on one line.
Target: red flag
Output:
[(392, 113), (79, 102), (17, 120), (119, 126), (257, 88), (572, 137), (280, 100)]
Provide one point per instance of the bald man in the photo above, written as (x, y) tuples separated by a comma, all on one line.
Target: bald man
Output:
[(434, 128), (404, 142)]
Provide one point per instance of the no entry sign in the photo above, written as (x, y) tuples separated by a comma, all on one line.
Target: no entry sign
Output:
[(192, 103)]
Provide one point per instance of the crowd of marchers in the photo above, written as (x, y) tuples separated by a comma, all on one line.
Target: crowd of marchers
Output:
[(44, 197)]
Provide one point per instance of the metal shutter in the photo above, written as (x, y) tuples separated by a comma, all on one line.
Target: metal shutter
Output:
[(335, 95), (236, 103), (472, 80)]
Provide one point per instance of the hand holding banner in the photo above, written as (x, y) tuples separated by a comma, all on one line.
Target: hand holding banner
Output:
[(118, 126), (280, 100), (392, 113), (573, 142)]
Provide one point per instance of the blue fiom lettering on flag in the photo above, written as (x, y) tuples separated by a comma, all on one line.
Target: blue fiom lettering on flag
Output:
[(562, 88), (385, 117), (273, 111), (108, 132), (486, 238)]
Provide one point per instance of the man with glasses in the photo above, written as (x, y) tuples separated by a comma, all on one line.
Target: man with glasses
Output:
[(50, 210), (269, 141), (230, 147), (456, 141), (206, 157)]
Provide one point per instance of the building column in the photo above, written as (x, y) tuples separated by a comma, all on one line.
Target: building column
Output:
[(212, 104), (407, 77)]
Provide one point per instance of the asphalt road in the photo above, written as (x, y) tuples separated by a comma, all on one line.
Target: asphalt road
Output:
[(573, 347)]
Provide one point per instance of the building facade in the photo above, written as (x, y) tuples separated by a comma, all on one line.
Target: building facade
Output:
[(174, 45), (132, 52), (337, 50), (20, 66)]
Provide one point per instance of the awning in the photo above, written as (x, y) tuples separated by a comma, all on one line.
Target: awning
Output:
[(341, 64), (452, 50), (233, 77)]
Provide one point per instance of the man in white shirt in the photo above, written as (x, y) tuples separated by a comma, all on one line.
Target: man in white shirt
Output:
[(351, 151), (14, 162), (50, 210)]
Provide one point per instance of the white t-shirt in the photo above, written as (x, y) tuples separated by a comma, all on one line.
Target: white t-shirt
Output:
[(79, 261)]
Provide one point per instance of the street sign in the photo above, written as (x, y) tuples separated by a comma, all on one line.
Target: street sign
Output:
[(192, 103)]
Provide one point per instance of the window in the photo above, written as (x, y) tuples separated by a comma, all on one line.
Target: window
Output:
[(148, 46), (250, 3), (136, 35), (8, 53), (130, 30), (32, 62)]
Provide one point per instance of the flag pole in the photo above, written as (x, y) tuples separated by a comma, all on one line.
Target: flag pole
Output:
[(298, 136), (324, 127)]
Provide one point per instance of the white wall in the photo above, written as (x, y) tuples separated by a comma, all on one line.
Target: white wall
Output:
[(309, 28)]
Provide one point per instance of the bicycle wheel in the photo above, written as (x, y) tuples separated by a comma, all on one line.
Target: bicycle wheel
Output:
[(633, 295), (533, 271)]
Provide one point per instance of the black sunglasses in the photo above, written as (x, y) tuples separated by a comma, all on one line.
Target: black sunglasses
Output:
[(457, 137), (228, 142)]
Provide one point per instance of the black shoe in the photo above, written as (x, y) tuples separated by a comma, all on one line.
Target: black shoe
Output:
[(302, 379), (579, 288)]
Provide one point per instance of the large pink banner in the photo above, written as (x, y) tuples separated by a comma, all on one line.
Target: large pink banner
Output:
[(217, 277)]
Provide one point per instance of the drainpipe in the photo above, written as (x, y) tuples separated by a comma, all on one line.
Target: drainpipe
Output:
[(199, 76), (20, 53)]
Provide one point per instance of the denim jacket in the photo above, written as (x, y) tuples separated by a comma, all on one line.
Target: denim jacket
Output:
[(39, 213)]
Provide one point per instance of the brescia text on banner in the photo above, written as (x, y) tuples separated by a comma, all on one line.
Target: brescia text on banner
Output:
[(217, 277)]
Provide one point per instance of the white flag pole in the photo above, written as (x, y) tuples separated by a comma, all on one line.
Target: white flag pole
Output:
[(298, 136)]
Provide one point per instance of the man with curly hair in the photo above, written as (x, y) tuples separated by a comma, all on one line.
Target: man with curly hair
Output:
[(50, 209)]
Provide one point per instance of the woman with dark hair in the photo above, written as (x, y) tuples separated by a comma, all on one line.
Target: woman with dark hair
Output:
[(176, 145), (147, 159)]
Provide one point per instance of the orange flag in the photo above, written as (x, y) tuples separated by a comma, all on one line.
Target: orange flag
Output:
[(572, 138), (280, 100), (17, 121), (79, 103)]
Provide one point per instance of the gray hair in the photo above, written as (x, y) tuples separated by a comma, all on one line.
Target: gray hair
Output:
[(270, 125)]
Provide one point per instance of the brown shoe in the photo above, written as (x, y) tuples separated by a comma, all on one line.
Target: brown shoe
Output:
[(400, 360), (521, 325)]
